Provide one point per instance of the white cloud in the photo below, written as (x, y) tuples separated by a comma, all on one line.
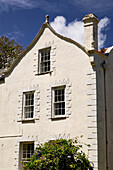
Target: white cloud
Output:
[(5, 4), (75, 29), (101, 27), (14, 35), (47, 5), (59, 5), (93, 5)]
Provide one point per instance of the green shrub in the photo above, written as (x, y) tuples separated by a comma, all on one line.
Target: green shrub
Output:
[(60, 154)]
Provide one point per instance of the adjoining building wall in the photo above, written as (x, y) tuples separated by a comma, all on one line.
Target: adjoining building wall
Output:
[(109, 109), (101, 124)]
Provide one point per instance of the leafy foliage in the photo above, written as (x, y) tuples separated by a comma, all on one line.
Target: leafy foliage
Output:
[(59, 154), (9, 51)]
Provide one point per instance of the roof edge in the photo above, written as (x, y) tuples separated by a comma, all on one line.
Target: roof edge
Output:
[(45, 25), (100, 54)]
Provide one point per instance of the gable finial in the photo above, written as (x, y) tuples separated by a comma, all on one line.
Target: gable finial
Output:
[(47, 18)]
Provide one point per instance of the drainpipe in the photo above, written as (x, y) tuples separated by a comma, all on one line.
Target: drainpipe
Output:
[(104, 66)]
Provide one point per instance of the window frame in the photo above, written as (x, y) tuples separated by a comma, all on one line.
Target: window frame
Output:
[(44, 50), (62, 87), (26, 151), (21, 157), (24, 106)]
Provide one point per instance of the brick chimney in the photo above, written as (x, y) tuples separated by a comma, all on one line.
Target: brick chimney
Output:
[(91, 32)]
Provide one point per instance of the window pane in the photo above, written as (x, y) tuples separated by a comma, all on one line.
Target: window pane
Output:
[(56, 105), (59, 111), (24, 146), (63, 111), (63, 105), (56, 112), (24, 155)]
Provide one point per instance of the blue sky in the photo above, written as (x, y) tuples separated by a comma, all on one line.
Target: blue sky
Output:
[(22, 19)]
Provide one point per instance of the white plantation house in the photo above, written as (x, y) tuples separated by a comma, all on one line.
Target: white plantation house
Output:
[(57, 88)]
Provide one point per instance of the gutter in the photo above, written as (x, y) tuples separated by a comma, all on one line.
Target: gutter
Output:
[(105, 67)]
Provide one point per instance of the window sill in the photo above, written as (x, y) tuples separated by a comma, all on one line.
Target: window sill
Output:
[(58, 117), (28, 120), (48, 72)]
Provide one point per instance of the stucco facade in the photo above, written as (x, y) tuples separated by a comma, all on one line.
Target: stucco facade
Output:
[(81, 73)]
